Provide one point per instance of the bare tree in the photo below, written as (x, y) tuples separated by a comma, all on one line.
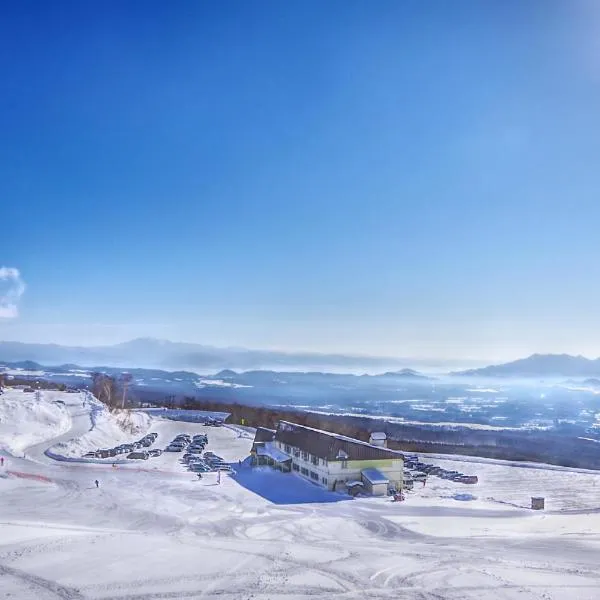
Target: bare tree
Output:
[(105, 388)]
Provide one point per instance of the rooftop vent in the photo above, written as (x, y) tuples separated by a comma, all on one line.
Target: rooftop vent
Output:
[(378, 438)]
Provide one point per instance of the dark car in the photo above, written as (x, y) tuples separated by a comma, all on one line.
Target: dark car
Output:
[(138, 456), (155, 452), (174, 448)]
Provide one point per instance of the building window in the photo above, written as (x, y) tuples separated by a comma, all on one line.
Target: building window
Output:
[(344, 464), (314, 476), (304, 471), (324, 480), (324, 462), (304, 455), (315, 461), (287, 449), (296, 453), (295, 466)]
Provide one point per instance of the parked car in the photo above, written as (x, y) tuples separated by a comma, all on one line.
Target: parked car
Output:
[(174, 448), (198, 468), (155, 452), (138, 456), (470, 479), (89, 455)]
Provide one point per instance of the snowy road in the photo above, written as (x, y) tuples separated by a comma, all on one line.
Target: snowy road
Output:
[(155, 531), (80, 424)]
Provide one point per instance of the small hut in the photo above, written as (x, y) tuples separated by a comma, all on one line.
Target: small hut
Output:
[(537, 503)]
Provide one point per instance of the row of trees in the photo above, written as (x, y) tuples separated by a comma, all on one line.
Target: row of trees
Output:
[(41, 384), (262, 416)]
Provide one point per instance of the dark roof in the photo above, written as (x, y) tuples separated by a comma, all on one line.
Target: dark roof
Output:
[(330, 446), (261, 436)]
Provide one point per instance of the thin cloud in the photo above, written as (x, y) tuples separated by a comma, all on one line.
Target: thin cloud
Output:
[(11, 290)]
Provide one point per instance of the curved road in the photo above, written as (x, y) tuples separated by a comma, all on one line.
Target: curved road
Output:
[(81, 423)]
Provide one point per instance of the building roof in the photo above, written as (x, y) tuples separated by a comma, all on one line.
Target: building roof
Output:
[(264, 435), (330, 446), (272, 452), (261, 436), (374, 476)]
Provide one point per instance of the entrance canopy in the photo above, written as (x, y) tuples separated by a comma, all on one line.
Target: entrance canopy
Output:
[(374, 476), (273, 453)]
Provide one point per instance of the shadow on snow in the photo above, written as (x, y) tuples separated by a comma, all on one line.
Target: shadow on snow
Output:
[(283, 488)]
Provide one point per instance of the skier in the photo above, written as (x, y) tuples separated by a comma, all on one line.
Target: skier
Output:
[(1, 461), (199, 475), (97, 483)]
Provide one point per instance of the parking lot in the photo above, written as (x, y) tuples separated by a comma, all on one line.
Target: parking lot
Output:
[(194, 455), (192, 444), (417, 471), (136, 450)]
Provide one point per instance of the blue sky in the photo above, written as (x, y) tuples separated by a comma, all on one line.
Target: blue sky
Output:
[(405, 178)]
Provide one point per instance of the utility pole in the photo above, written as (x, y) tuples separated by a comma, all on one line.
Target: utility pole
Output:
[(125, 378)]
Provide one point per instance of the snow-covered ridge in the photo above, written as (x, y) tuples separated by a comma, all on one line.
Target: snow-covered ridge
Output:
[(106, 429), (28, 418)]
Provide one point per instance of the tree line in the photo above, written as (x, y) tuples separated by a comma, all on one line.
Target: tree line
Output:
[(110, 389)]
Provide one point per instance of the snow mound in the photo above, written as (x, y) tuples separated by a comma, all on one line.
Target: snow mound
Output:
[(30, 418), (106, 431)]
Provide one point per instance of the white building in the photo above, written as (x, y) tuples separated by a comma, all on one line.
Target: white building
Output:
[(329, 459)]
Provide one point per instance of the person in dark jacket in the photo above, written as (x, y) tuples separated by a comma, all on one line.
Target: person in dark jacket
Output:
[(97, 483)]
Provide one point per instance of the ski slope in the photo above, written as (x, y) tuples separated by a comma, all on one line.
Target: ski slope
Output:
[(152, 530)]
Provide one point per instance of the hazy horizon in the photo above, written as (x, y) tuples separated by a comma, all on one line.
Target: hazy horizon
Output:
[(426, 362)]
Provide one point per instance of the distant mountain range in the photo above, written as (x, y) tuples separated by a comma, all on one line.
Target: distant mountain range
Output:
[(150, 353), (166, 355), (162, 354), (540, 365), (157, 378)]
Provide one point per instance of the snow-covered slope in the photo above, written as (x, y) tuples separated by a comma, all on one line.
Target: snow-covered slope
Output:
[(28, 418), (153, 530), (106, 431)]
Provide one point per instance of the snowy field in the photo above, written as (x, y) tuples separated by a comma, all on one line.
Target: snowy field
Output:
[(152, 530)]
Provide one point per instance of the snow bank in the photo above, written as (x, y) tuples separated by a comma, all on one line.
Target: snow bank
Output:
[(30, 418), (106, 431)]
